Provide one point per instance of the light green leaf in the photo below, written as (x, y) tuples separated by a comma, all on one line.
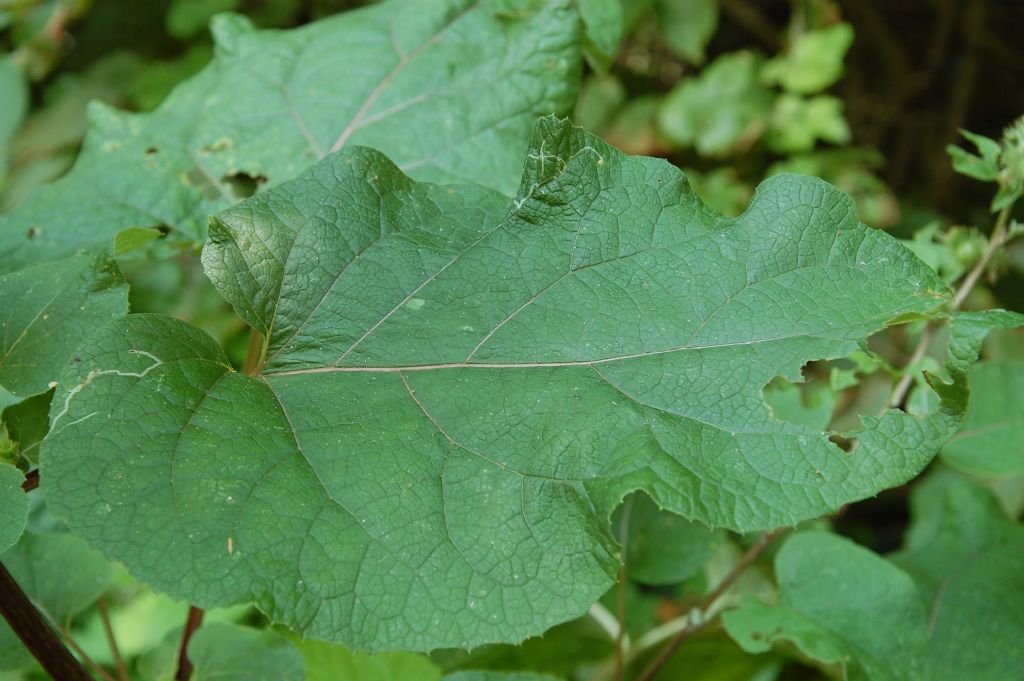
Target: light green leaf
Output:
[(723, 110), (61, 575), (687, 26), (661, 547), (602, 22), (968, 560), (187, 18), (967, 333), (229, 652), (447, 88), (808, 405), (134, 238), (797, 123), (453, 401), (52, 309), (839, 604), (813, 62), (329, 662), (14, 503), (26, 424), (991, 439), (970, 165)]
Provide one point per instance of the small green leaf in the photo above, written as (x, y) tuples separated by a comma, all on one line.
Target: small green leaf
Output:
[(839, 604), (14, 503), (430, 468), (26, 423), (813, 62), (991, 438), (602, 23), (806, 405), (187, 18), (984, 167), (229, 652), (968, 560), (721, 111), (53, 309), (134, 238), (797, 123), (448, 89), (687, 26), (970, 165)]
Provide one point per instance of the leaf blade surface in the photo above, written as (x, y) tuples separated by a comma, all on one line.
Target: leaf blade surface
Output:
[(456, 396)]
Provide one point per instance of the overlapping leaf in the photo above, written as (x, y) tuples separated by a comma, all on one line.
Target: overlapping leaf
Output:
[(948, 607), (455, 396), (840, 604), (991, 440), (50, 310), (14, 503), (447, 88), (968, 560)]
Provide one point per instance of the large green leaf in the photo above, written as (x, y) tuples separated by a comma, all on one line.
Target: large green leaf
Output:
[(991, 440), (51, 309), (839, 604), (968, 560), (447, 88), (453, 401)]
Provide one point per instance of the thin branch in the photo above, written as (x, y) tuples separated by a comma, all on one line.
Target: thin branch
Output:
[(696, 624), (620, 640), (122, 670), (998, 238), (92, 664), (995, 242), (36, 633), (195, 619)]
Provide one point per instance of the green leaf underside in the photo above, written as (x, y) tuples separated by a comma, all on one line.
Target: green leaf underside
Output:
[(14, 503), (454, 399), (967, 558), (839, 604), (51, 310), (991, 438), (449, 89)]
